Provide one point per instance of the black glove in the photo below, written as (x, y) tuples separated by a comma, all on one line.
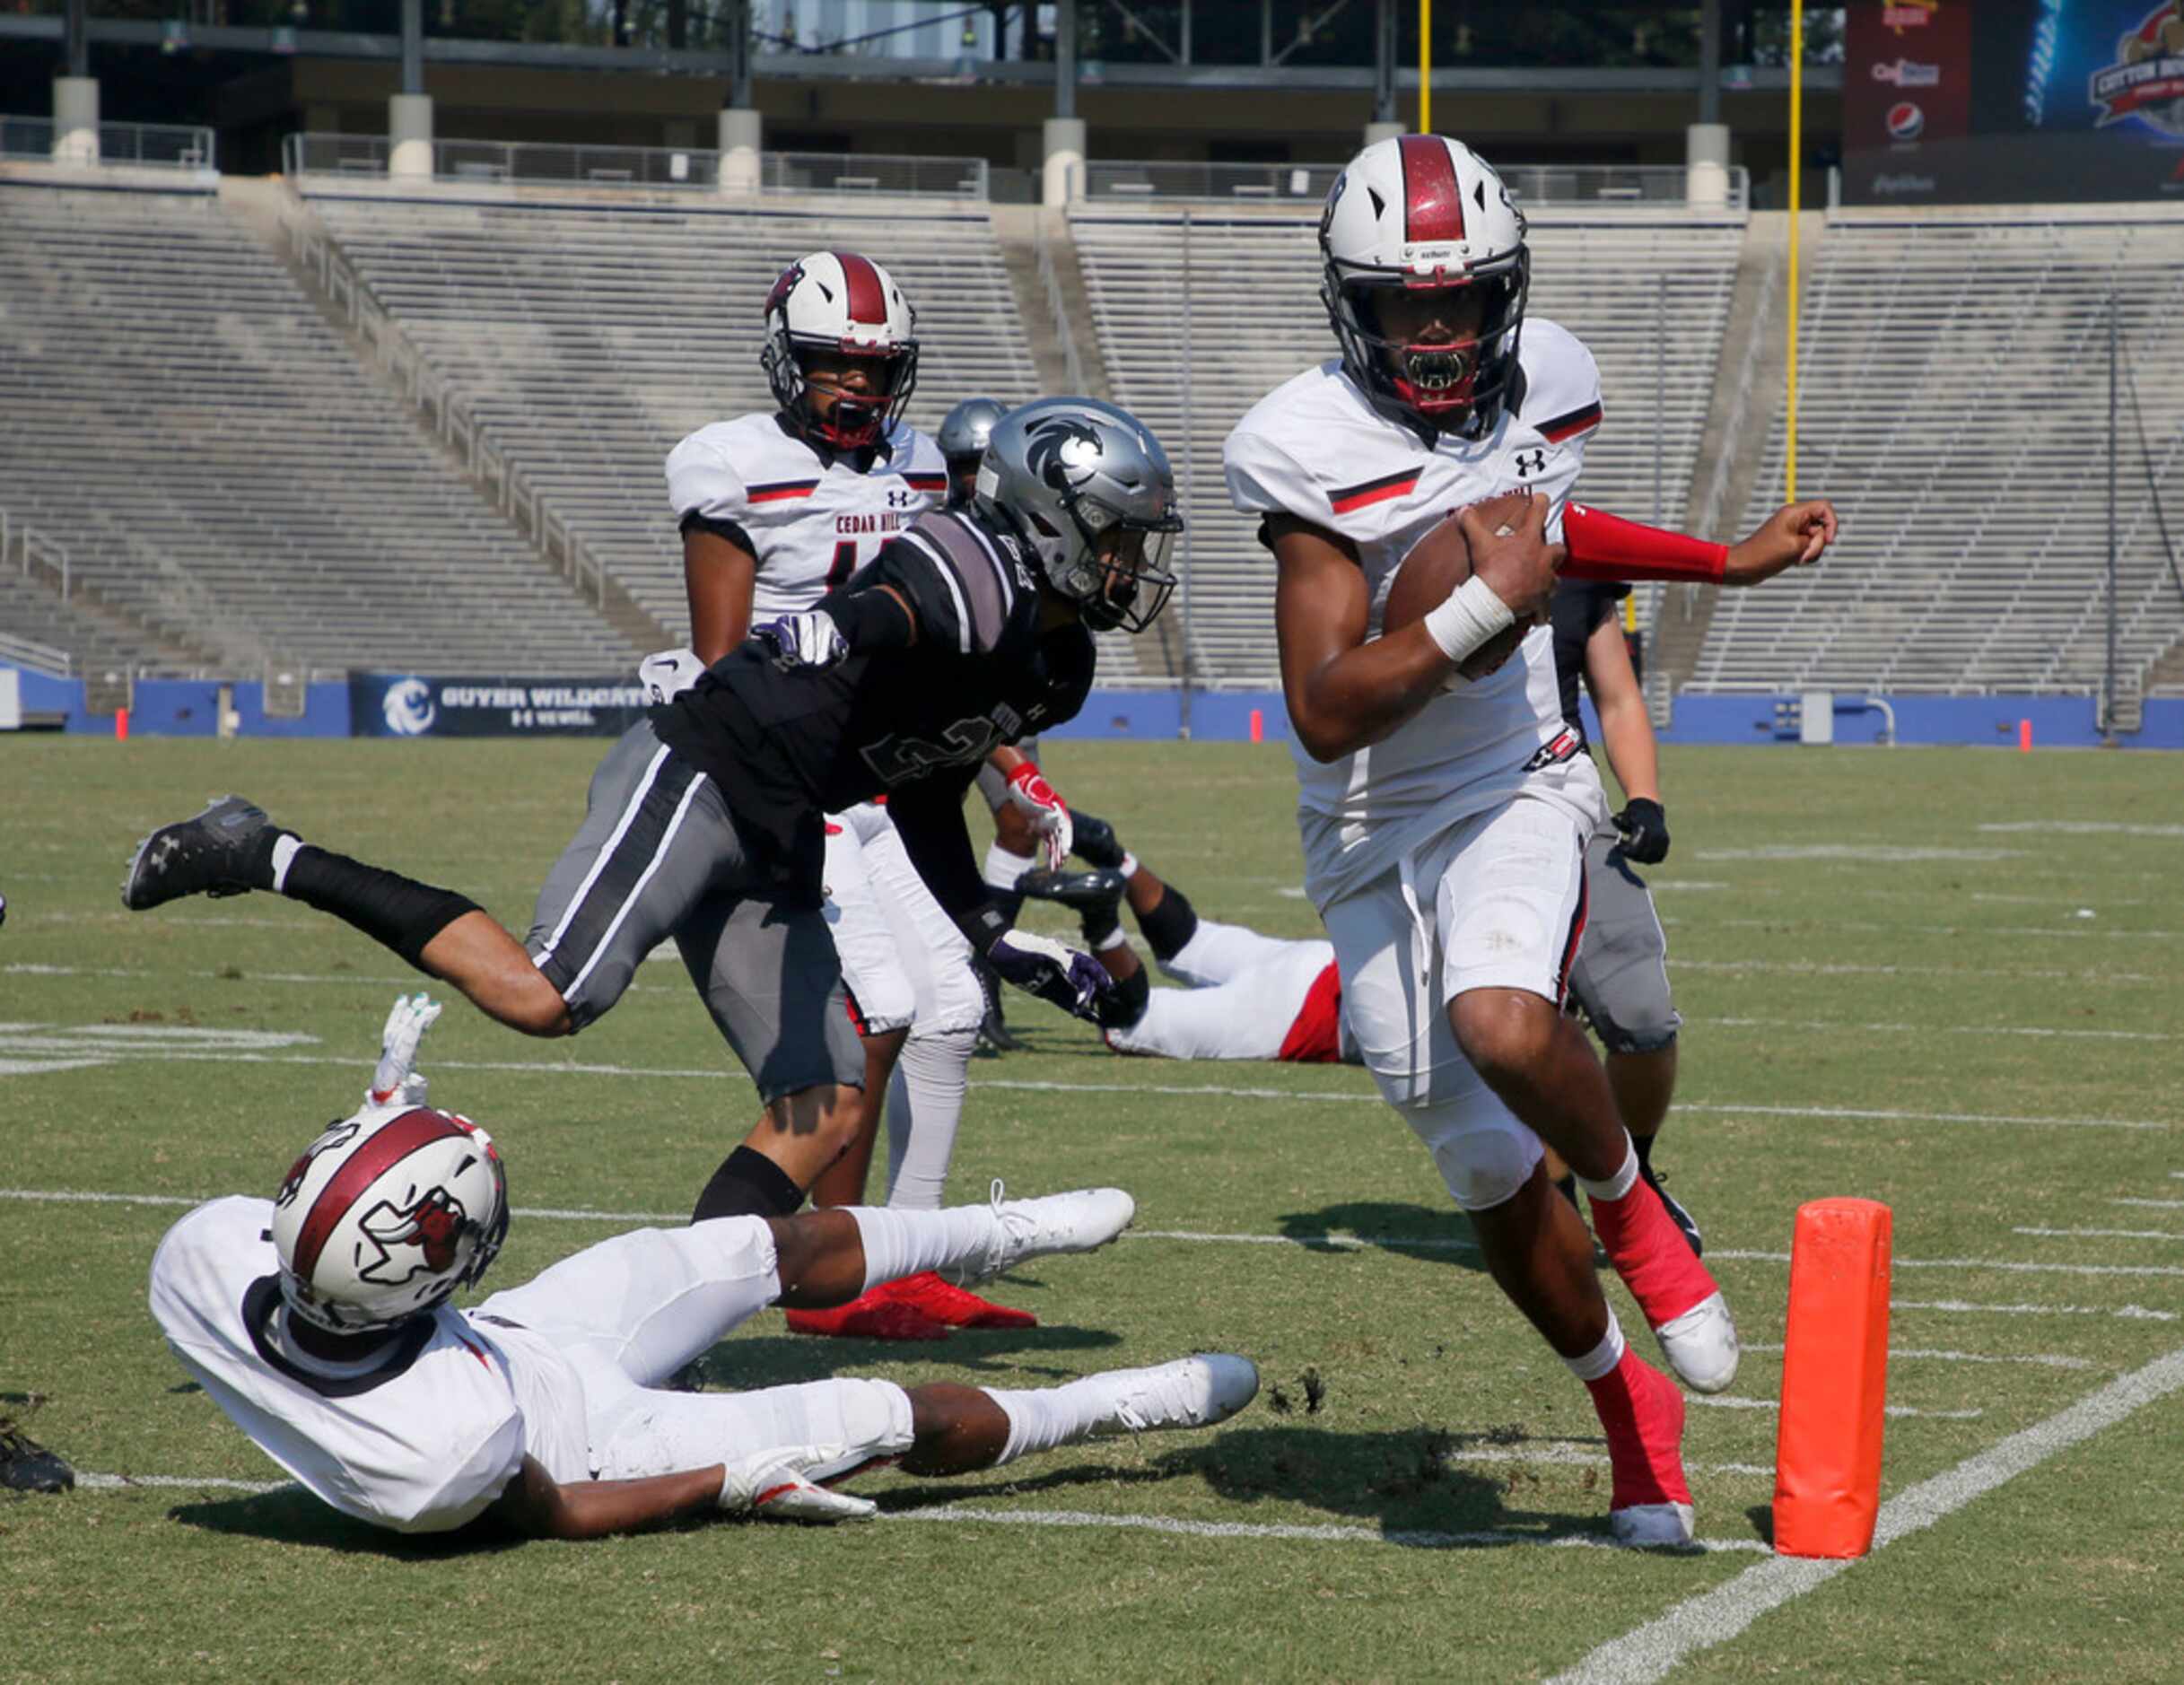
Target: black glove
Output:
[(1075, 982), (1644, 829)]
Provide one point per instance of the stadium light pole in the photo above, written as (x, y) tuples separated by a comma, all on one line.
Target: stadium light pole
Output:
[(1425, 66), (1789, 462)]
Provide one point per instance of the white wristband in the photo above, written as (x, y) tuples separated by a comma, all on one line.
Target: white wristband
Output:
[(1468, 618)]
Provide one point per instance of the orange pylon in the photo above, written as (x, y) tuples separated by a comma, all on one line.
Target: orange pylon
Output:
[(1834, 1380)]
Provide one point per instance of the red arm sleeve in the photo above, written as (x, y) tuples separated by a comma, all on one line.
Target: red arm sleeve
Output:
[(1605, 547)]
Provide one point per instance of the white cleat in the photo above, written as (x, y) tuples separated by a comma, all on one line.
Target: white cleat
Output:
[(1653, 1525), (1701, 1345), (1082, 1222), (1190, 1392)]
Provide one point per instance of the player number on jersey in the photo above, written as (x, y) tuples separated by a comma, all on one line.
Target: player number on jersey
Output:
[(897, 759), (845, 564)]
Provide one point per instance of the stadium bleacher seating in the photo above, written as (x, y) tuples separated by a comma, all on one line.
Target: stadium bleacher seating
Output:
[(1237, 303), (588, 339), (1953, 400), (219, 466)]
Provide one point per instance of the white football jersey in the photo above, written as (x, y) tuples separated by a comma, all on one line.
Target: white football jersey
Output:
[(812, 520), (422, 1445), (1316, 448)]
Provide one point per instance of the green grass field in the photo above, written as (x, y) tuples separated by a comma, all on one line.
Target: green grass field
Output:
[(1945, 980)]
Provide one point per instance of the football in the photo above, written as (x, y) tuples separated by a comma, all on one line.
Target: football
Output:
[(1435, 565)]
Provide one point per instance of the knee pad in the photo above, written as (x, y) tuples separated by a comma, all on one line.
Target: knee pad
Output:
[(1483, 1152)]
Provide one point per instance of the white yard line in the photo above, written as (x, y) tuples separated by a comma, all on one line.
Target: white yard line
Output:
[(1571, 1456), (2007, 1266), (193, 1482), (2152, 1205), (1908, 1028), (1725, 1402), (2128, 1312), (1713, 1618), (2042, 1359), (2090, 975), (1875, 928), (1925, 1117), (2101, 1234), (2080, 827)]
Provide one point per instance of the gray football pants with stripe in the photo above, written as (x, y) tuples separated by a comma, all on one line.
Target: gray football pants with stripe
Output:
[(659, 855), (1620, 979)]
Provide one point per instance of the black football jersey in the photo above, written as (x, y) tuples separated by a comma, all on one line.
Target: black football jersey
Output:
[(787, 748), (1575, 611)]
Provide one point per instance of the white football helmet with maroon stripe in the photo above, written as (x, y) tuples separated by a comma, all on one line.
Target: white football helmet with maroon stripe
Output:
[(385, 1215), (845, 305), (1421, 213)]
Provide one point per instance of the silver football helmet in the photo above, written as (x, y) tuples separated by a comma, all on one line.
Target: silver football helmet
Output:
[(964, 432), (1090, 490)]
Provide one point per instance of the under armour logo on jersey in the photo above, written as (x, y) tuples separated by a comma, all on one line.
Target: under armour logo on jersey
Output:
[(1531, 462)]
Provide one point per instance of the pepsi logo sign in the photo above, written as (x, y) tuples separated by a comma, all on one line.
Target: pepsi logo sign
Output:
[(1905, 121)]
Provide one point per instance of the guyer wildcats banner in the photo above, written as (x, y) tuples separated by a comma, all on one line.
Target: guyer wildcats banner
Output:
[(409, 706)]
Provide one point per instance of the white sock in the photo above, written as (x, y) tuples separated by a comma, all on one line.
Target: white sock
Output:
[(285, 849), (1114, 939), (1620, 1182), (924, 1106), (1003, 867), (898, 1243), (1603, 1357), (1052, 1416)]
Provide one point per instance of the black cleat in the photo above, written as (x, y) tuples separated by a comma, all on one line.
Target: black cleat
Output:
[(224, 851), (1087, 892), (27, 1466), (994, 1028), (1684, 1220), (1094, 841)]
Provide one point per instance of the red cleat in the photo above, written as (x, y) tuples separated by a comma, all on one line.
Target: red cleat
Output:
[(1643, 1414), (929, 1296), (873, 1317)]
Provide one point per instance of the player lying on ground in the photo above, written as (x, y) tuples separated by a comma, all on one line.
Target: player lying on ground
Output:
[(1620, 979), (1445, 807), (706, 819), (1244, 996), (320, 1320)]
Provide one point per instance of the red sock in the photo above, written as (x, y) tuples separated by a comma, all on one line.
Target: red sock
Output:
[(1643, 1413), (1650, 1253)]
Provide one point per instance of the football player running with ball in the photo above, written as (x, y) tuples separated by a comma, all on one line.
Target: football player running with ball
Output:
[(1445, 807), (707, 819), (322, 1323)]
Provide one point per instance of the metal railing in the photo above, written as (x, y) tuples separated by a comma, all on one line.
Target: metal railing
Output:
[(576, 166), (552, 163), (36, 555), (447, 410), (1297, 184), (1531, 184), (16, 652), (868, 173), (146, 145)]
